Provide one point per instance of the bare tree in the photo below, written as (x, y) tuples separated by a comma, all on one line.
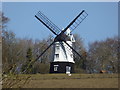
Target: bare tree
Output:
[(79, 47), (103, 55)]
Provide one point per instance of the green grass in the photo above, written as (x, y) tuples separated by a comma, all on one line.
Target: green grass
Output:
[(63, 81)]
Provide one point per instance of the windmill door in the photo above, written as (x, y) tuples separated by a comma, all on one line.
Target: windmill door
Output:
[(68, 69)]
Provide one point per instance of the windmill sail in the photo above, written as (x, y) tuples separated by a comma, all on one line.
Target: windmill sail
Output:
[(50, 25), (44, 51), (78, 21), (74, 50)]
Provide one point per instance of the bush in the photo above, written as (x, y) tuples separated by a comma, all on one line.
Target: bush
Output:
[(79, 70), (41, 68)]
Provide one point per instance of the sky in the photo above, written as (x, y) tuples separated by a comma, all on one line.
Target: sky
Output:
[(101, 22)]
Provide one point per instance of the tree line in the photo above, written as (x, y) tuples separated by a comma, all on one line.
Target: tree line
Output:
[(19, 55)]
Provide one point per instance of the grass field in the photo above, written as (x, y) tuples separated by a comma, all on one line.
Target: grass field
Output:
[(62, 81)]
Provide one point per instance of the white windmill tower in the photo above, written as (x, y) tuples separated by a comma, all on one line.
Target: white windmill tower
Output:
[(63, 61), (63, 55)]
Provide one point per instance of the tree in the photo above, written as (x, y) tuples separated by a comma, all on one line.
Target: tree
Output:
[(29, 55), (28, 67), (42, 64), (80, 63), (103, 55), (8, 46), (8, 50), (3, 21), (40, 46)]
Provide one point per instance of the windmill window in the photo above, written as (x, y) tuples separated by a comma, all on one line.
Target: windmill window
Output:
[(55, 67), (57, 56), (72, 39), (71, 55), (57, 47), (57, 44)]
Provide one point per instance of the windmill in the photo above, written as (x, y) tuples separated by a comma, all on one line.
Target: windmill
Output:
[(63, 61)]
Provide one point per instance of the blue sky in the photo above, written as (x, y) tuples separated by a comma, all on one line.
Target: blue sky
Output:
[(102, 20)]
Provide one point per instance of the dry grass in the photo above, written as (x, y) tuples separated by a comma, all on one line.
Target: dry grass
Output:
[(64, 81)]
